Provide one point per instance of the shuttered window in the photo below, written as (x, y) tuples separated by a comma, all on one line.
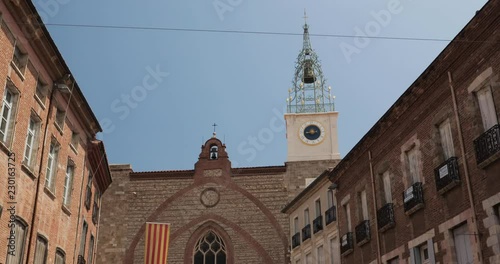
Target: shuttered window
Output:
[(41, 250), (487, 107), (446, 139)]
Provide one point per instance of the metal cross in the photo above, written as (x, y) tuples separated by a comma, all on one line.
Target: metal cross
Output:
[(214, 125), (305, 16)]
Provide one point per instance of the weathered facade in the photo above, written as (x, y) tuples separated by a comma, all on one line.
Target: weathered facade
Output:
[(422, 185), (49, 204)]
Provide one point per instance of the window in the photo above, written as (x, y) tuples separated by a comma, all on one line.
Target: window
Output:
[(31, 142), (60, 118), (88, 195), (41, 91), (318, 207), (332, 250), (423, 254), (386, 180), (75, 139), (41, 250), (319, 255), (50, 176), (309, 259), (446, 139), (91, 250), (95, 210), (296, 225), (20, 59), (347, 213), (362, 205), (393, 261), (412, 162), (463, 249), (329, 198), (20, 230), (210, 249), (83, 239), (487, 107), (60, 257), (7, 115), (68, 184), (306, 217)]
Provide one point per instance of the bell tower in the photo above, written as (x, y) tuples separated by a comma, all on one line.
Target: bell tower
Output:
[(311, 119)]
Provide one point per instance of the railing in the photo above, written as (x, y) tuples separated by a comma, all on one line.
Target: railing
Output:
[(385, 217), (487, 144), (296, 240), (363, 232), (88, 197), (413, 198), (446, 175), (95, 213), (346, 244), (81, 259), (330, 215), (318, 224), (311, 108), (306, 232)]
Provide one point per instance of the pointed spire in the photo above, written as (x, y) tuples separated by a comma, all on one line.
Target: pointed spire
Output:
[(309, 93)]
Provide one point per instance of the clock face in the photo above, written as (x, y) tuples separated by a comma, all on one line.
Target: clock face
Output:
[(312, 133)]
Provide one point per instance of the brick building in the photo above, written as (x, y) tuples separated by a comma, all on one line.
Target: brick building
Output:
[(237, 211), (421, 186), (53, 168)]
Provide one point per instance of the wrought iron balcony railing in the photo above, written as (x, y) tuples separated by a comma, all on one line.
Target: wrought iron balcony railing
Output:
[(81, 259), (446, 175), (413, 198), (385, 217), (330, 215), (88, 197), (487, 144), (296, 240), (363, 232), (346, 244), (306, 232), (310, 108), (318, 224)]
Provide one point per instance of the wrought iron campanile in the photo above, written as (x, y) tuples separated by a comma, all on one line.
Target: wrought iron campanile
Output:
[(309, 93)]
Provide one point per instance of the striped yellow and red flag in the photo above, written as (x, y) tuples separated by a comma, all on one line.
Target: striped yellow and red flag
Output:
[(156, 249)]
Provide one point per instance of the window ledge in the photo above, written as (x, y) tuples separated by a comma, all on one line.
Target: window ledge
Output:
[(414, 209), (28, 170), (59, 128), (66, 210), (73, 148), (49, 193), (17, 70), (4, 148), (489, 160), (39, 101)]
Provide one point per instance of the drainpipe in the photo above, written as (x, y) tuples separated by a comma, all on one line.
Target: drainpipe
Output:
[(78, 215), (374, 206), (466, 169)]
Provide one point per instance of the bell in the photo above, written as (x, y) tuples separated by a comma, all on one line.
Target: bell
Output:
[(308, 72), (214, 156)]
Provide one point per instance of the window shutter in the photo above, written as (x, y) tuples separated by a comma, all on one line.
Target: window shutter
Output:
[(430, 249), (487, 108), (387, 187), (446, 139)]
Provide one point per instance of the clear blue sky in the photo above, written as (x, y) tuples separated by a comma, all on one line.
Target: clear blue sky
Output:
[(238, 81)]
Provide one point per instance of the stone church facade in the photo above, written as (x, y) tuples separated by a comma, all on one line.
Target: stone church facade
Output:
[(241, 205)]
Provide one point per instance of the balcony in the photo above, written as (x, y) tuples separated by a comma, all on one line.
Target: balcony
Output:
[(385, 217), (363, 232), (330, 215), (413, 198), (346, 244), (487, 145), (318, 224), (81, 259), (306, 232), (88, 197), (296, 240), (446, 175)]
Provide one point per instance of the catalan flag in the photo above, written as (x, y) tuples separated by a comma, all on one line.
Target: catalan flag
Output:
[(156, 249)]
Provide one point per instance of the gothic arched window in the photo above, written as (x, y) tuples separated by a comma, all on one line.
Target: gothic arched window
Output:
[(210, 249)]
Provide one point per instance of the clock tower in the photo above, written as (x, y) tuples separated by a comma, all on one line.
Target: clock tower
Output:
[(311, 119)]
